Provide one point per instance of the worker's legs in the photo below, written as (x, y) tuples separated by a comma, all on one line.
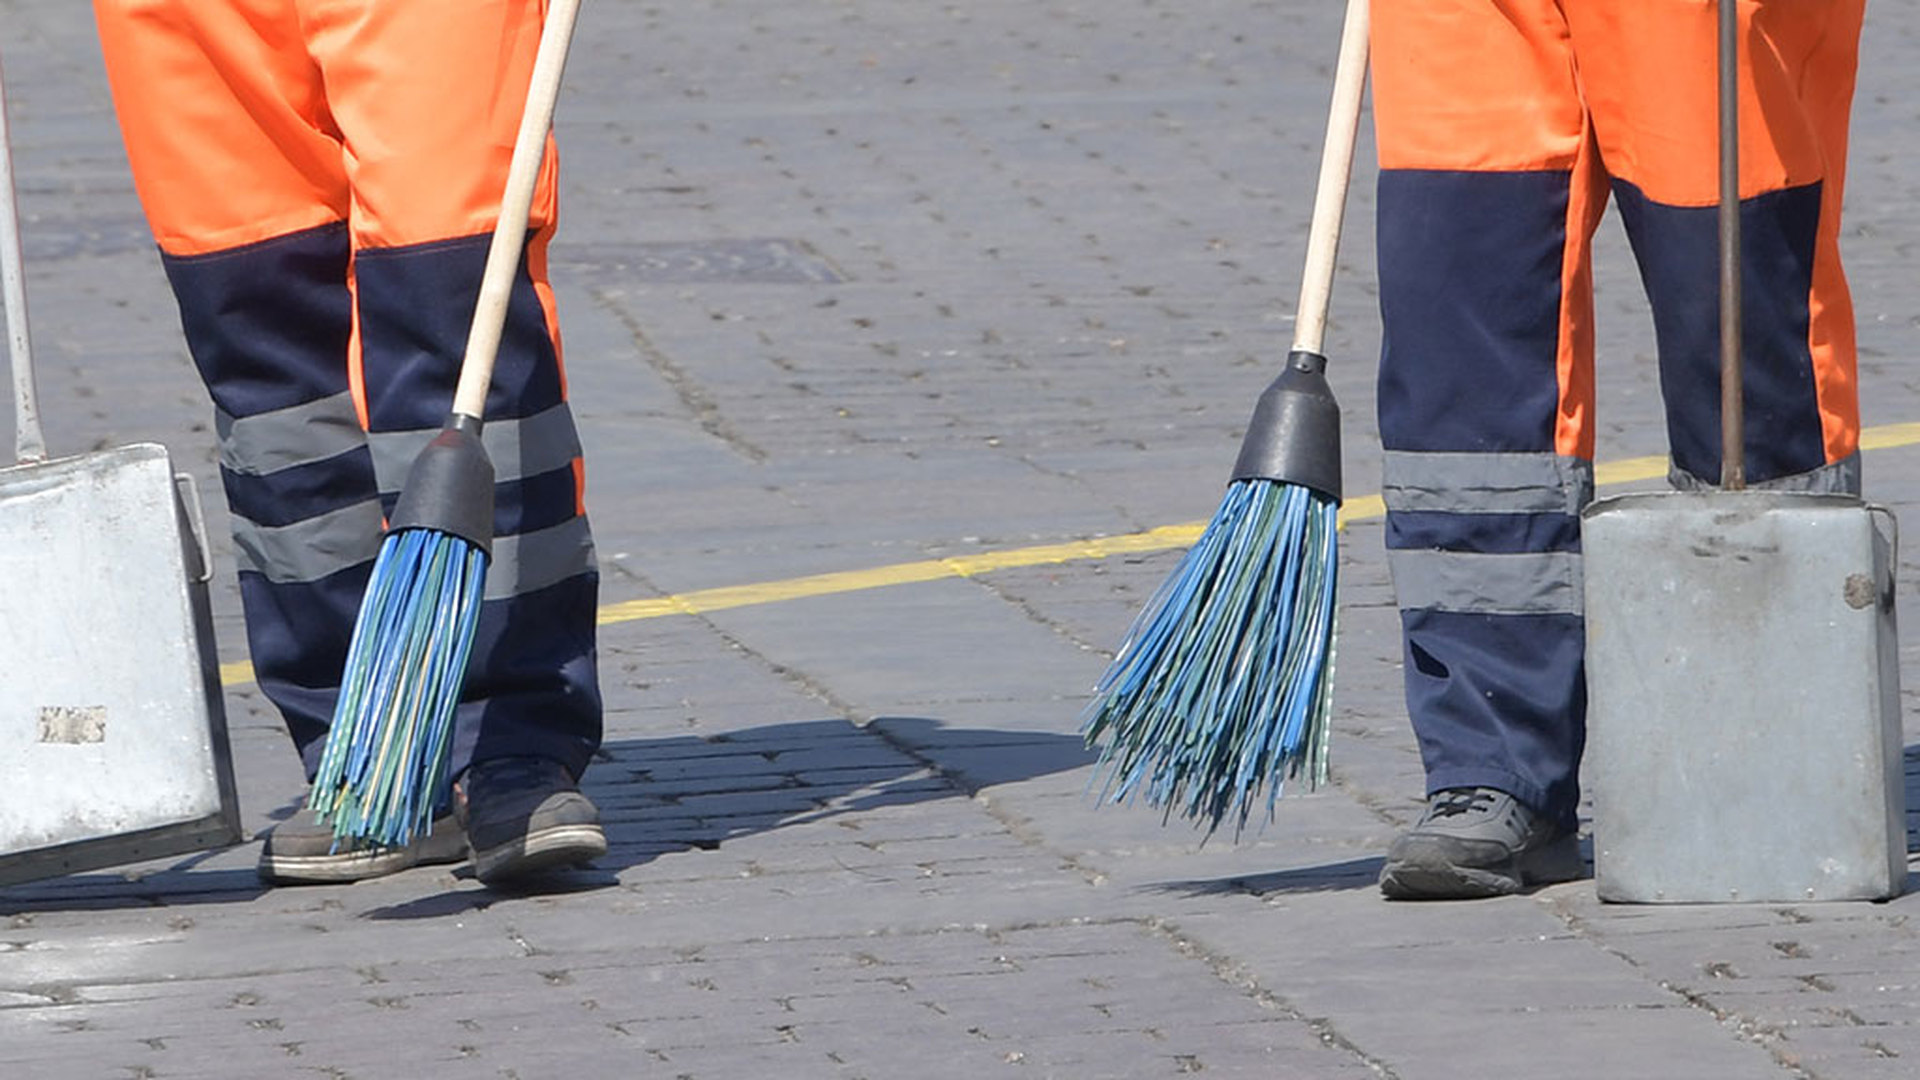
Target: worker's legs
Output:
[(323, 177)]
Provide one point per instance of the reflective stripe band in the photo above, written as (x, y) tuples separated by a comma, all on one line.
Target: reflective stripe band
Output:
[(323, 546), (1544, 583), (312, 549), (1840, 478), (542, 443), (1474, 483), (532, 561), (268, 442)]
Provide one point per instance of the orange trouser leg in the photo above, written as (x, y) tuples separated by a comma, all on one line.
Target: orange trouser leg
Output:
[(228, 131), (250, 119)]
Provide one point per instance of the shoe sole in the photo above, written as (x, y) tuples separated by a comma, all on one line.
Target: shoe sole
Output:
[(445, 846), (1438, 879), (1445, 883), (552, 848), (334, 869)]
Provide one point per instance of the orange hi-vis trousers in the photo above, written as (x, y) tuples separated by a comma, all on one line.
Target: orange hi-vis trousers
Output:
[(323, 178), (1504, 127)]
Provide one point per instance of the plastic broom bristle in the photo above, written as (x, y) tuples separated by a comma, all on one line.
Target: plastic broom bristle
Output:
[(383, 772), (1223, 685)]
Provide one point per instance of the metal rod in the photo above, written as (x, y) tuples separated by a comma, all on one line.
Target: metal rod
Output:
[(1733, 464), (30, 446)]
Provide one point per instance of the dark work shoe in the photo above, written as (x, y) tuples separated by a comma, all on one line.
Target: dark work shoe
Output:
[(301, 850), (1475, 842), (525, 815)]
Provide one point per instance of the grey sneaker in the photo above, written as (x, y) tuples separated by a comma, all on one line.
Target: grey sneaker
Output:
[(302, 851), (1475, 842), (526, 815)]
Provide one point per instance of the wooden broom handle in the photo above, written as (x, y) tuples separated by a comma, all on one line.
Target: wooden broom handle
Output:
[(510, 233), (1336, 167)]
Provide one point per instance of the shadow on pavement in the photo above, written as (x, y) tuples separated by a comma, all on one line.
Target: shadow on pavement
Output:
[(1911, 761), (1327, 877), (696, 792), (662, 795), (681, 793), (174, 884)]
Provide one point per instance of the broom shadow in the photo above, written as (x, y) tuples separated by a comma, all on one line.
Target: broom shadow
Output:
[(680, 793), (1345, 876), (684, 793)]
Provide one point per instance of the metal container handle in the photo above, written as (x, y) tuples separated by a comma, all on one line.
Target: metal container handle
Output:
[(187, 493)]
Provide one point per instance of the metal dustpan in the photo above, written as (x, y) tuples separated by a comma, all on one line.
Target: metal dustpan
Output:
[(113, 737), (1744, 735)]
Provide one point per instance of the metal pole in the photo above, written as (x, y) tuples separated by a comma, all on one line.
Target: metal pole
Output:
[(29, 444), (1733, 465)]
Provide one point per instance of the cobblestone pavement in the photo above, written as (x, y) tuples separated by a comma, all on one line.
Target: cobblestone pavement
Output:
[(872, 288)]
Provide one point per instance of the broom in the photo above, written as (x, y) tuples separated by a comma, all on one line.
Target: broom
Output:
[(383, 772), (1222, 686)]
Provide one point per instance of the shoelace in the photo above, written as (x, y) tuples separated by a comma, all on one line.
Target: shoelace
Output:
[(1456, 803)]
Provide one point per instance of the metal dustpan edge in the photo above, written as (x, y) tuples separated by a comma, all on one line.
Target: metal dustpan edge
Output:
[(113, 735)]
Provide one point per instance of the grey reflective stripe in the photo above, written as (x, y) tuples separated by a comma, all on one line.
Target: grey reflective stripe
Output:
[(1474, 483), (537, 444), (284, 438), (1840, 478), (312, 549), (532, 561), (1542, 583)]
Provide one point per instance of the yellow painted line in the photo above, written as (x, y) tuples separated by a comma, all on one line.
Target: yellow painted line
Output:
[(1633, 470), (1888, 436), (844, 581), (1164, 538)]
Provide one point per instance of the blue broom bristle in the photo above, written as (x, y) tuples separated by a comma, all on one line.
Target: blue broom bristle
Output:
[(1223, 685), (383, 773)]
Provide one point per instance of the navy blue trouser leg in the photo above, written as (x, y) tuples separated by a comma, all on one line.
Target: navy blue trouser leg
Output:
[(1482, 523)]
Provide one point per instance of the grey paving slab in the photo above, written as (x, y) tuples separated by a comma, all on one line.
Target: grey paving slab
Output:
[(855, 286)]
